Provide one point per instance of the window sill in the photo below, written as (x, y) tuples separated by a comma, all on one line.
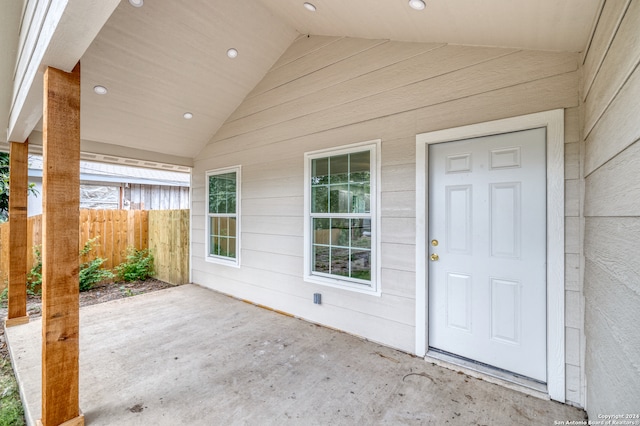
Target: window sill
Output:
[(343, 285), (234, 263)]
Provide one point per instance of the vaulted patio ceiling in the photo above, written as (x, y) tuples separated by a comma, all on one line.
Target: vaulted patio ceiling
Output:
[(167, 58)]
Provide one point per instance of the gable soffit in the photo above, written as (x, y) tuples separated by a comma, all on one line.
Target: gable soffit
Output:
[(556, 25)]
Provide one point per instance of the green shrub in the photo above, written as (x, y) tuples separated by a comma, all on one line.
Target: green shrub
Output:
[(137, 267), (90, 274), (34, 277)]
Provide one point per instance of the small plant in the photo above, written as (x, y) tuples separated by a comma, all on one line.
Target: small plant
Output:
[(137, 267), (90, 274), (126, 292), (91, 271), (34, 277)]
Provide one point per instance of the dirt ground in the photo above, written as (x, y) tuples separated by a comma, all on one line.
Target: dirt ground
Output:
[(98, 294)]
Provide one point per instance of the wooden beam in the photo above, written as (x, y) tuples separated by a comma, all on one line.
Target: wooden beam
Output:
[(18, 166), (60, 239)]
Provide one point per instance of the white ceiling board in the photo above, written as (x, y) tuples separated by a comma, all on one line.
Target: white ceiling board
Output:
[(562, 25), (167, 58), (53, 34)]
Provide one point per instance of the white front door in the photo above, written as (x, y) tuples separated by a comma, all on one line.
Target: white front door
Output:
[(487, 251)]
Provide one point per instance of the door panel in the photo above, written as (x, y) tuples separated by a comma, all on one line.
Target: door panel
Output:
[(459, 301), (458, 217), (505, 219), (487, 287)]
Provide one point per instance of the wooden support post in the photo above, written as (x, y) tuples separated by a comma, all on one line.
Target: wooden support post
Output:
[(18, 166), (60, 239)]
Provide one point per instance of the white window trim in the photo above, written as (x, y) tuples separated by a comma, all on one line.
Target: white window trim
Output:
[(345, 284), (235, 262), (553, 121)]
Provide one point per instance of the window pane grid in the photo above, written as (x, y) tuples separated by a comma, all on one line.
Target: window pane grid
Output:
[(222, 236), (340, 209), (222, 212), (222, 193), (341, 184), (342, 246)]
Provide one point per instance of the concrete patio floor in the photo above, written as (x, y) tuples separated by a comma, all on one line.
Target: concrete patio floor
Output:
[(188, 355)]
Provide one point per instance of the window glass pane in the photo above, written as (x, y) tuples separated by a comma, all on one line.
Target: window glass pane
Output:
[(231, 202), (222, 193), (360, 198), (321, 259), (319, 199), (232, 227), (340, 261), (231, 192), (222, 246), (359, 167), (231, 251), (230, 179), (361, 264), (213, 194), (214, 227), (339, 198), (340, 232), (339, 169), (321, 231), (214, 247), (224, 226), (320, 171), (361, 233)]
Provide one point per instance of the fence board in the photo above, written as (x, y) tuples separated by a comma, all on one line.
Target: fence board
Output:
[(169, 243), (108, 238), (165, 232), (122, 231), (85, 225), (99, 228), (144, 229)]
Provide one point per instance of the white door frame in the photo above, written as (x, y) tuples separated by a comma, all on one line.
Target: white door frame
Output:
[(554, 123)]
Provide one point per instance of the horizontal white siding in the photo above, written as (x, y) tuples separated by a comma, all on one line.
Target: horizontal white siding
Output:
[(611, 88), (329, 91)]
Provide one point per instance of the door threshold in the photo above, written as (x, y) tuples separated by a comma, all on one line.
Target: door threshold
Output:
[(487, 373)]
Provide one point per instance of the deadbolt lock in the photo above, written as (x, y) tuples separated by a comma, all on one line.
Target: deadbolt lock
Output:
[(434, 257), (434, 243)]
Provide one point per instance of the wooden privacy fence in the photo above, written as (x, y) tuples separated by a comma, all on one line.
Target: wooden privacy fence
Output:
[(169, 243), (165, 232)]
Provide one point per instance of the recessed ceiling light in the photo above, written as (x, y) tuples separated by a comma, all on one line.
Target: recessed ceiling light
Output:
[(232, 53), (310, 7), (187, 115), (136, 3), (100, 90), (417, 4)]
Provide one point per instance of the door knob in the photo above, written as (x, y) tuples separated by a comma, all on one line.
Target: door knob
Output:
[(434, 257)]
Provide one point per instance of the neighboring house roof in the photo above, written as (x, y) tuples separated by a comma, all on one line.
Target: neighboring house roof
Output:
[(114, 173)]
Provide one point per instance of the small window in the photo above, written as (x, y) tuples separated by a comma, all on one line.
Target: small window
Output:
[(223, 196), (340, 201)]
